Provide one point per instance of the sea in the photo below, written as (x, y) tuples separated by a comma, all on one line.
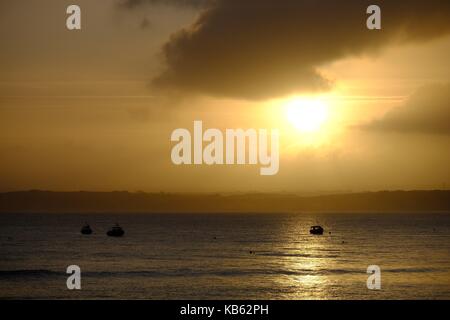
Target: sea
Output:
[(226, 256)]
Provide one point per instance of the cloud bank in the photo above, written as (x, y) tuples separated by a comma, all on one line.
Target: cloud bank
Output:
[(426, 111), (183, 3), (257, 49)]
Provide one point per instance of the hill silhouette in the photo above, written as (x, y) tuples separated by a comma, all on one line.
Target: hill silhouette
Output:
[(122, 201)]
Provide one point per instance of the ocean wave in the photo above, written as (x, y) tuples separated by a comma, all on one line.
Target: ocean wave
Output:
[(42, 273), (39, 273), (28, 273), (413, 270), (300, 255)]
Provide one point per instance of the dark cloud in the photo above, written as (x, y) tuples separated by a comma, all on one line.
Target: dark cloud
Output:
[(183, 3), (145, 23), (427, 111), (257, 49)]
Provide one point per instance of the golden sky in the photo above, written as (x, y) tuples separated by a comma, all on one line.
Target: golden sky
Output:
[(94, 109)]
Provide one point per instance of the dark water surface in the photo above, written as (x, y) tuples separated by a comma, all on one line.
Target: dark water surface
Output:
[(200, 256)]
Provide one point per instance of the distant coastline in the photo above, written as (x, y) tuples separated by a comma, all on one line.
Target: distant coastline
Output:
[(36, 201)]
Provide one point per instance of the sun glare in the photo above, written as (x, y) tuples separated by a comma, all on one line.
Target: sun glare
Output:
[(307, 115)]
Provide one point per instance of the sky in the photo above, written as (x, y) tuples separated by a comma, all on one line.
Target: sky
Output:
[(94, 109)]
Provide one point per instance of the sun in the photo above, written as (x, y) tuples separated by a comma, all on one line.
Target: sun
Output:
[(307, 115)]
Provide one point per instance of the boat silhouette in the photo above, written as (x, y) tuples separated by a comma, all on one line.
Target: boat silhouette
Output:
[(115, 231), (316, 230), (86, 229)]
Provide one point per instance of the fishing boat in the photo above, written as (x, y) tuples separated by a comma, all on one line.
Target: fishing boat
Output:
[(316, 230), (115, 231), (86, 229)]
